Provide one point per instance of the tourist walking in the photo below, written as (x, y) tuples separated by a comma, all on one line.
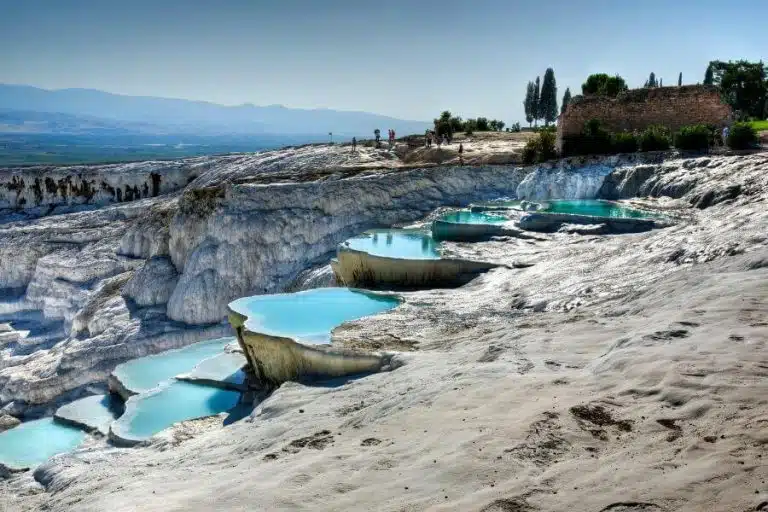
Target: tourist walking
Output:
[(377, 134), (726, 131), (354, 144), (461, 154)]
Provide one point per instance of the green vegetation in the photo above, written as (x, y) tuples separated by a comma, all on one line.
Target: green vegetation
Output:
[(566, 99), (651, 82), (540, 148), (601, 84), (742, 136), (680, 79), (743, 85), (528, 104), (694, 138), (655, 138), (624, 142), (759, 125), (548, 98), (448, 124)]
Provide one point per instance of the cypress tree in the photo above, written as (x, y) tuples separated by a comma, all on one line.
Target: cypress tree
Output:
[(566, 99), (680, 79), (661, 83), (548, 98), (528, 103), (709, 76), (535, 101), (651, 82)]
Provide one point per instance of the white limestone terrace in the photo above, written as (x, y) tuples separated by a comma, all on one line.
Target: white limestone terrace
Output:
[(615, 372), (135, 278)]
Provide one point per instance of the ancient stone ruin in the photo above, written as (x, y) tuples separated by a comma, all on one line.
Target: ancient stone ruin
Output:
[(636, 109)]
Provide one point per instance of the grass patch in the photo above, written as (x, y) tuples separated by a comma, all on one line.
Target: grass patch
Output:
[(760, 125)]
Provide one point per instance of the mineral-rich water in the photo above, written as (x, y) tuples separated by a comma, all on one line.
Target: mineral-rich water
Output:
[(468, 217), (396, 243), (149, 413), (595, 208), (309, 316), (33, 442), (145, 373)]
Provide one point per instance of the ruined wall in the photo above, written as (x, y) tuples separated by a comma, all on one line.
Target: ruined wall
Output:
[(637, 109)]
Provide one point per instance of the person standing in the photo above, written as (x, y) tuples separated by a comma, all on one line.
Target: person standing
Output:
[(461, 154), (354, 144), (377, 134), (726, 131)]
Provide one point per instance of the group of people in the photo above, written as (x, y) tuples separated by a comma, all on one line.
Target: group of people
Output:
[(430, 137), (377, 135)]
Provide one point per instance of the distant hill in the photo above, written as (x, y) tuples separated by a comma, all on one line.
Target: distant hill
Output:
[(91, 111)]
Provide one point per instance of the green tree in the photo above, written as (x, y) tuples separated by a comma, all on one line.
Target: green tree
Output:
[(528, 103), (566, 99), (482, 124), (661, 82), (680, 79), (709, 76), (548, 99), (493, 125), (535, 101), (500, 125), (743, 85), (601, 84), (651, 82)]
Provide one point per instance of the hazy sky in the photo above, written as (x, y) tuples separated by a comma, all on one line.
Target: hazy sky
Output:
[(409, 58)]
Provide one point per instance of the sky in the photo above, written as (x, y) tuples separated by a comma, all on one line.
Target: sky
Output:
[(410, 59)]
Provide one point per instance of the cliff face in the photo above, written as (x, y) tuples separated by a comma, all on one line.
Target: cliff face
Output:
[(102, 286)]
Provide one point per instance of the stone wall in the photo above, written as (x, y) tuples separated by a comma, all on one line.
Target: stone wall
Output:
[(637, 109)]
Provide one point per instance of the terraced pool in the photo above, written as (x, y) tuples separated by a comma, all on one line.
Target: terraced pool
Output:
[(396, 243), (33, 442), (469, 217), (309, 316), (596, 208)]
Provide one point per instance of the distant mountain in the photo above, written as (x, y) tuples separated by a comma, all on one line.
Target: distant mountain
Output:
[(28, 122), (146, 114)]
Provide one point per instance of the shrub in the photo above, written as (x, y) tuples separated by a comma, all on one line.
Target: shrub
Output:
[(742, 136), (529, 152), (655, 138), (516, 127), (694, 138), (602, 84), (624, 142), (593, 140), (540, 148)]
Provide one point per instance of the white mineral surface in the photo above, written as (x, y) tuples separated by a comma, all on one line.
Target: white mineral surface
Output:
[(592, 372)]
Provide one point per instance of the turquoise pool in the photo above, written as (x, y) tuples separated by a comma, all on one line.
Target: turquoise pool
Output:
[(145, 373), (149, 413), (309, 316), (595, 207), (396, 243), (34, 442), (469, 217)]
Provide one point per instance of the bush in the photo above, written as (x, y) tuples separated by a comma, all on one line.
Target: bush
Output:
[(540, 148), (593, 140), (624, 142), (602, 84), (742, 136), (655, 138), (516, 127), (693, 138), (529, 152)]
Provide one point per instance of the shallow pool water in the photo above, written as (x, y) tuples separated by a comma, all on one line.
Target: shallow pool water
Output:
[(34, 442), (96, 412), (149, 413), (595, 208), (396, 243), (145, 373), (468, 217), (309, 316)]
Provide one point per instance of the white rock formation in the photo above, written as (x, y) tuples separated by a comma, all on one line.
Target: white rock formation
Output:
[(153, 284)]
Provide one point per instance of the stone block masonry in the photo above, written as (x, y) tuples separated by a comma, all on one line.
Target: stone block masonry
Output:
[(673, 107)]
